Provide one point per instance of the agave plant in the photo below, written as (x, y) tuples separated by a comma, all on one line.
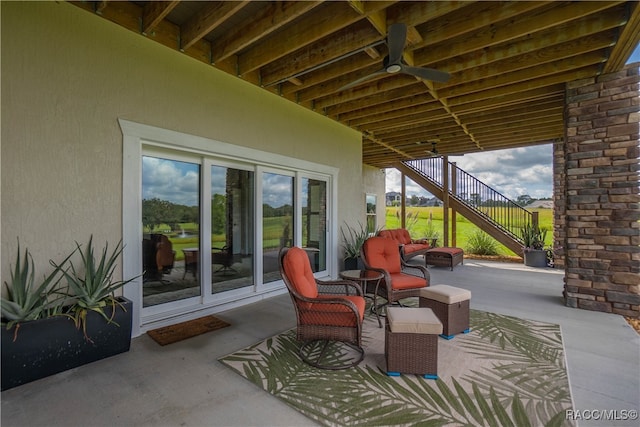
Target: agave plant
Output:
[(92, 284), (533, 236), (27, 300), (353, 239)]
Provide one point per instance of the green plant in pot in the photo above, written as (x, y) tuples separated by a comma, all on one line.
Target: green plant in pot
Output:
[(62, 327), (352, 240), (91, 283), (27, 300), (430, 232), (533, 241)]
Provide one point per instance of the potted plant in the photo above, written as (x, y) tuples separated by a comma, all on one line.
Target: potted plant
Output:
[(533, 241), (352, 241), (430, 233), (74, 325)]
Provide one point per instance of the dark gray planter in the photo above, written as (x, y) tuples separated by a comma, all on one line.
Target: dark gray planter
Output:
[(47, 346), (353, 264), (535, 258)]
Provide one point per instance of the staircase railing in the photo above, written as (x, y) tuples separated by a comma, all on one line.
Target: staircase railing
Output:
[(497, 208)]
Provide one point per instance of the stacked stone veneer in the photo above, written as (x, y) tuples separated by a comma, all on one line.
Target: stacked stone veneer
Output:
[(596, 193)]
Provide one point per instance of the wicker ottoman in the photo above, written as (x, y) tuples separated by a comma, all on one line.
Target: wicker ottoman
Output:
[(451, 305), (411, 341), (444, 257)]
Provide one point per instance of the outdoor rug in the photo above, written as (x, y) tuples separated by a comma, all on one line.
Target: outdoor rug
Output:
[(506, 372), (182, 331)]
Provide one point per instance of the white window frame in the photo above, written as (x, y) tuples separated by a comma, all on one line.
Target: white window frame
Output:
[(135, 137)]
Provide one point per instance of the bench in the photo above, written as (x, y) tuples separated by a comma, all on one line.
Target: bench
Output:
[(409, 247), (444, 257)]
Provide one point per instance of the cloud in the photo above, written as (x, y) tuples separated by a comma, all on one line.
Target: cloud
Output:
[(513, 172), (277, 190), (171, 180)]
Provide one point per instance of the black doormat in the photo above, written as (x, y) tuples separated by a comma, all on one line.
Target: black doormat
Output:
[(188, 329)]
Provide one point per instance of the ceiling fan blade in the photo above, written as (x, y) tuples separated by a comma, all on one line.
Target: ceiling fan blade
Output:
[(426, 73), (396, 40), (363, 79)]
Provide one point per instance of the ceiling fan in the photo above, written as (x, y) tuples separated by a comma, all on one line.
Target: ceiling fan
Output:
[(394, 64), (434, 151)]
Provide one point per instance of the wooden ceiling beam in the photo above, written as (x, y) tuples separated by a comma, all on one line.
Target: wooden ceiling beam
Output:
[(268, 20), (408, 120), (509, 99), (523, 86), (627, 41), (530, 74), (527, 68), (210, 17), (592, 23), (428, 106), (154, 12), (474, 17), (598, 25), (409, 130), (346, 41), (520, 112), (388, 106), (308, 28), (538, 120), (546, 53), (416, 13), (527, 26)]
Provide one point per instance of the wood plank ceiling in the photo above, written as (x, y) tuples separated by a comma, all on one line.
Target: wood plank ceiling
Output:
[(509, 62)]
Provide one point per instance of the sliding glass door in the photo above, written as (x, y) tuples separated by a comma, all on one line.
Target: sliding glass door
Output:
[(277, 221), (171, 230), (314, 222), (250, 214), (232, 228)]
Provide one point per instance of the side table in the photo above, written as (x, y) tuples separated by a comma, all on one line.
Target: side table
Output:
[(369, 280)]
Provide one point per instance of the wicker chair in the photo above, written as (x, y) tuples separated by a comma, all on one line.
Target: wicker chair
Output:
[(382, 254), (328, 313)]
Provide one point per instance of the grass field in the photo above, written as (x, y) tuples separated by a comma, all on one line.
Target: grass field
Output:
[(418, 227)]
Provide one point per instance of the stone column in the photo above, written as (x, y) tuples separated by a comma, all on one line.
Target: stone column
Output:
[(596, 194)]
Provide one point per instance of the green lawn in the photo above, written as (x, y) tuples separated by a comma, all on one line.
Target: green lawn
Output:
[(418, 227)]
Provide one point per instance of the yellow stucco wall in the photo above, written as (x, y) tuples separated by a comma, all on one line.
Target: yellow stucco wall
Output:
[(68, 76)]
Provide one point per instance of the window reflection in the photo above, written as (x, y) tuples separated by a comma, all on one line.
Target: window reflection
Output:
[(314, 222), (171, 227), (277, 221), (232, 228)]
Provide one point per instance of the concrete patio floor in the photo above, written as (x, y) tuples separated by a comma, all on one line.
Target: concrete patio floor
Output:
[(183, 384)]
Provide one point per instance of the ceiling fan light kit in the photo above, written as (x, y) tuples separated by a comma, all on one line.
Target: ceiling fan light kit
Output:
[(393, 63)]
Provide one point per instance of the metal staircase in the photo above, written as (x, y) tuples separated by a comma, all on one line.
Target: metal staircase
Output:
[(491, 211)]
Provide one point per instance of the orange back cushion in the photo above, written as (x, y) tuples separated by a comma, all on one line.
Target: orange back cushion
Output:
[(403, 236), (382, 253), (298, 270), (400, 235)]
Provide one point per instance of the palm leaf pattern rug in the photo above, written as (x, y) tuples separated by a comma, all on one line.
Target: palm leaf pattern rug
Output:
[(506, 372)]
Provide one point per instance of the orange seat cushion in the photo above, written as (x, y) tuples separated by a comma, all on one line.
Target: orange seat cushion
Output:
[(407, 281), (298, 270), (382, 253), (334, 314), (414, 247)]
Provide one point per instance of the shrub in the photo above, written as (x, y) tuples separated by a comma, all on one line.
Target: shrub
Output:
[(480, 243)]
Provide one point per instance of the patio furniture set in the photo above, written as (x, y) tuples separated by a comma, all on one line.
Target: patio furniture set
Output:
[(333, 311)]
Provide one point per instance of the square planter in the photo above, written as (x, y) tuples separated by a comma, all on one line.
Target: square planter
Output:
[(47, 346), (535, 258)]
